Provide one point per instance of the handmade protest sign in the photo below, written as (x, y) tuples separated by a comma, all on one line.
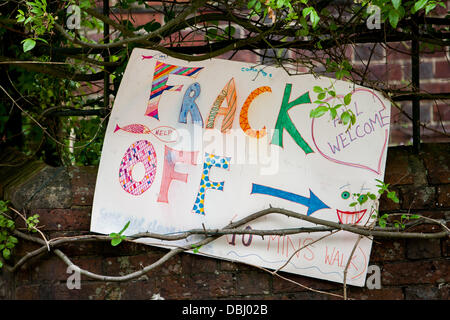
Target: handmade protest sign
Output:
[(193, 144)]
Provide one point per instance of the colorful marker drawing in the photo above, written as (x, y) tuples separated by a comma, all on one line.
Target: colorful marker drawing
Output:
[(205, 183), (313, 202), (159, 83), (165, 134), (141, 151), (377, 168), (146, 57), (228, 93), (243, 117)]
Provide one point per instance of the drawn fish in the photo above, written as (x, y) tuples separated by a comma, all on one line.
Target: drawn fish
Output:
[(134, 128), (158, 56), (163, 133)]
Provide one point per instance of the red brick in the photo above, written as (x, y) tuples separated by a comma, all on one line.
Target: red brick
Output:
[(441, 112), (252, 283), (211, 285), (54, 269), (27, 292), (49, 269), (420, 197), (77, 219), (443, 192), (398, 171), (192, 263), (284, 286), (422, 249), (398, 51), (394, 72), (93, 290), (417, 272), (442, 69), (387, 250), (430, 292), (174, 287), (123, 265), (435, 87), (83, 181), (375, 294), (435, 157)]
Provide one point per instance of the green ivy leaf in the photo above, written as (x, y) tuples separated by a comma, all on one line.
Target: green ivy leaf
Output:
[(317, 89), (321, 95), (396, 3), (28, 44), (394, 17), (6, 253), (116, 241), (345, 117), (419, 5), (318, 112), (348, 98)]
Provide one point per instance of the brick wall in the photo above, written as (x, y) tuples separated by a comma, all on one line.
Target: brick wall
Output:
[(410, 269)]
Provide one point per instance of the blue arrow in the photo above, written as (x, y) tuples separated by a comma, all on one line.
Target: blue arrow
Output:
[(313, 202)]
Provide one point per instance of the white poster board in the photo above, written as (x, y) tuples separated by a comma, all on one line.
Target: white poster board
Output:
[(193, 144)]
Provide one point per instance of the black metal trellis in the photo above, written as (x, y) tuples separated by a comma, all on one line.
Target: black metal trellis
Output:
[(415, 96)]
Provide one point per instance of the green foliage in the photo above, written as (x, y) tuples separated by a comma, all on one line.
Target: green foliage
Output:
[(7, 226), (393, 11), (32, 222), (38, 20), (195, 249), (325, 95), (117, 238)]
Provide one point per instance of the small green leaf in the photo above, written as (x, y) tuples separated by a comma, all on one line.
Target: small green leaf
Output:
[(317, 89), (6, 253), (419, 5), (430, 7), (28, 44), (345, 117), (306, 11), (125, 227), (116, 241), (394, 17), (318, 112), (321, 95), (333, 113), (396, 3), (314, 18), (348, 98)]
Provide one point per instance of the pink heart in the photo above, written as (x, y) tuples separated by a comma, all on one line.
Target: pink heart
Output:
[(382, 147)]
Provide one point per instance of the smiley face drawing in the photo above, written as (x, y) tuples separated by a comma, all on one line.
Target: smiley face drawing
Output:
[(349, 216)]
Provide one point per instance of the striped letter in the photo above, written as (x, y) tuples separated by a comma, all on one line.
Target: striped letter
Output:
[(159, 83), (229, 92)]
